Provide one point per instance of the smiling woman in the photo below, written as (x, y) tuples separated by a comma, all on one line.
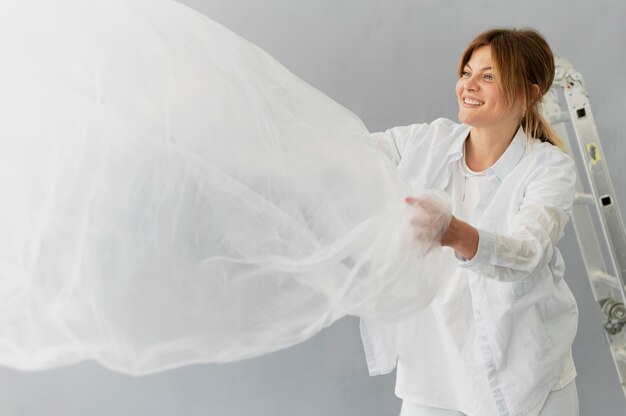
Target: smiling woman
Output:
[(502, 327)]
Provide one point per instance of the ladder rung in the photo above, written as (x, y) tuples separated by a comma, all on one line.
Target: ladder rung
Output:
[(555, 118), (607, 280), (584, 199), (620, 354)]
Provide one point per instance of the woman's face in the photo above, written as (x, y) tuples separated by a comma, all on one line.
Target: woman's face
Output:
[(480, 102)]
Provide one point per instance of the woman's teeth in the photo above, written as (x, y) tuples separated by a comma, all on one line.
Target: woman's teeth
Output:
[(472, 102)]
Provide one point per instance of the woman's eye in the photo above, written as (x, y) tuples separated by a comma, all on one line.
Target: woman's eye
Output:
[(465, 74), (489, 77)]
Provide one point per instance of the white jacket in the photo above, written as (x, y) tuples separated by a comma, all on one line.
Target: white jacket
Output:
[(522, 315)]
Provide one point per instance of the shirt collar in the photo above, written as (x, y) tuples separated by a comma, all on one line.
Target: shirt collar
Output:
[(507, 161)]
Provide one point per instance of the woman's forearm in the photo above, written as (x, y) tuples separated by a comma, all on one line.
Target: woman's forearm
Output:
[(462, 237)]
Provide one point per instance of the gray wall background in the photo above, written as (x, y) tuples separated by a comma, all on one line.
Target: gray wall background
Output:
[(391, 62)]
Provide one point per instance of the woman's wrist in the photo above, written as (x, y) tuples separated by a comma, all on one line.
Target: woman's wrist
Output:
[(462, 237)]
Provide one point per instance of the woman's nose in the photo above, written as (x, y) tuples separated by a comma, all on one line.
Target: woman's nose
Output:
[(471, 84)]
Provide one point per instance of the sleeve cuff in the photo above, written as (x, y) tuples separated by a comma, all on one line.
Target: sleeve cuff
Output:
[(485, 253)]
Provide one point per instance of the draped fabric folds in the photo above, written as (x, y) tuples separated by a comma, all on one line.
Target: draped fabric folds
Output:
[(173, 195)]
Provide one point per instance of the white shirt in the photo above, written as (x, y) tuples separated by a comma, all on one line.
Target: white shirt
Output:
[(465, 189), (497, 338)]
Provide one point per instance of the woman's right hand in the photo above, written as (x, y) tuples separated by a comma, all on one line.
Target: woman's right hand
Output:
[(430, 217)]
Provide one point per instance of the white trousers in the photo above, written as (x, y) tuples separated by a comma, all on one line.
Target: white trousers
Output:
[(563, 402)]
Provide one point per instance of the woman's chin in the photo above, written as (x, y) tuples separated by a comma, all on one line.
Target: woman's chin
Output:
[(465, 118)]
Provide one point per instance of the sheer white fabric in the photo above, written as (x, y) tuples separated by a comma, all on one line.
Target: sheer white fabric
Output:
[(173, 195)]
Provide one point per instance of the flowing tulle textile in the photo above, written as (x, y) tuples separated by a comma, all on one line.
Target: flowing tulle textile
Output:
[(173, 195)]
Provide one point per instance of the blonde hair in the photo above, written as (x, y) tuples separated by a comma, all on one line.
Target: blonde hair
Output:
[(521, 59)]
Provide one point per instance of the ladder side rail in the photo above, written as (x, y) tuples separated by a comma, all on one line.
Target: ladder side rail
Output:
[(581, 218), (589, 144), (573, 110)]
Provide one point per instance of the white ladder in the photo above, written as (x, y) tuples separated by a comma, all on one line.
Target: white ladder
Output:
[(596, 217)]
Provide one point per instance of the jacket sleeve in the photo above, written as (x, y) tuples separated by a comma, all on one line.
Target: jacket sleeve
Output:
[(537, 227), (392, 141)]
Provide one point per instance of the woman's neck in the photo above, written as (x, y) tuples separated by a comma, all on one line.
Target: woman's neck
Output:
[(484, 146)]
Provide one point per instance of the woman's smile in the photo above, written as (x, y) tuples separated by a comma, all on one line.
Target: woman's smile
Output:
[(472, 102)]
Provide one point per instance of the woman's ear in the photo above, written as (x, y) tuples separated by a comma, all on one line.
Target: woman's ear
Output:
[(535, 96), (536, 92)]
